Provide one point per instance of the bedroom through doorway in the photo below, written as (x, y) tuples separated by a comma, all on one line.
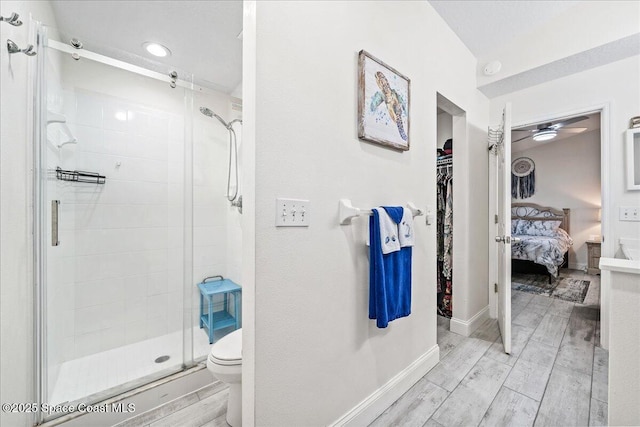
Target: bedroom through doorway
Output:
[(556, 225)]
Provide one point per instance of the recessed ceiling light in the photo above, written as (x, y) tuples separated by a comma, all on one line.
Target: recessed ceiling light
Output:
[(545, 135), (156, 49)]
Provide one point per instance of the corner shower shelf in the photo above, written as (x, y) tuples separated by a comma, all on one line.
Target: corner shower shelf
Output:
[(80, 176), (62, 120)]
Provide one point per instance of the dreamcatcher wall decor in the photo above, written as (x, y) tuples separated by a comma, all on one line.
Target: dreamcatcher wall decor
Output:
[(523, 178)]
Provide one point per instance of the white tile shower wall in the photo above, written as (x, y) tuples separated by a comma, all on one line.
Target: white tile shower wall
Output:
[(234, 230), (211, 220), (123, 258), (117, 237), (210, 149)]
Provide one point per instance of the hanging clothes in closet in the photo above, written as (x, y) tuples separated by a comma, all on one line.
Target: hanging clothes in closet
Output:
[(444, 181)]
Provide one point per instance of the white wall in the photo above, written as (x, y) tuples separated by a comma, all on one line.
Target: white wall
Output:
[(317, 354), (568, 176)]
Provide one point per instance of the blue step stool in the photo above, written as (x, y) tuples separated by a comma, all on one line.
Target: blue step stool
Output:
[(214, 320)]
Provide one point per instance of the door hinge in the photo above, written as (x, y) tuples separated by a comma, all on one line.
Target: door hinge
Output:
[(495, 219), (495, 287)]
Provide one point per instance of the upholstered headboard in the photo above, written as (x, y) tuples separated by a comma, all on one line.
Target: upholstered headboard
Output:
[(536, 212)]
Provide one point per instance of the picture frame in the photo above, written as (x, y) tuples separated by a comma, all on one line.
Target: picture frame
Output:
[(383, 103)]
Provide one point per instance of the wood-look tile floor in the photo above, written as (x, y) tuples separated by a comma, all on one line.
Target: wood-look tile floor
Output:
[(556, 374), (206, 407)]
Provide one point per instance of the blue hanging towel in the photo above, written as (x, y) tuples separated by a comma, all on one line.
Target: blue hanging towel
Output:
[(389, 274)]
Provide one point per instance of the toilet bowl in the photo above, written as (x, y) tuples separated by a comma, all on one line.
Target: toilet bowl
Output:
[(225, 364)]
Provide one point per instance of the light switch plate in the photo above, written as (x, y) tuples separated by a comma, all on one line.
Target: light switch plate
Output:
[(629, 213), (292, 213)]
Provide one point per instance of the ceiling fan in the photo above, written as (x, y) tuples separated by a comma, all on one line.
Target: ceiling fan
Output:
[(547, 131)]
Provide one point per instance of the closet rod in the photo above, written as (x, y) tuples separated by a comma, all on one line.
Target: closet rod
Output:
[(348, 211)]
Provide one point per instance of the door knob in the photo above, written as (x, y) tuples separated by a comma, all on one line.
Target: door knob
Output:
[(499, 239)]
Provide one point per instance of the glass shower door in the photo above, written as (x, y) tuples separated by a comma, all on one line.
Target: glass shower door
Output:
[(112, 216)]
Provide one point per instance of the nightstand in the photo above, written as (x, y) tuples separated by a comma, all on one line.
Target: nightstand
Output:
[(593, 256)]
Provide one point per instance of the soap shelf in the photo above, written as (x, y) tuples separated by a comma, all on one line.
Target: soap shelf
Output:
[(80, 176), (62, 120)]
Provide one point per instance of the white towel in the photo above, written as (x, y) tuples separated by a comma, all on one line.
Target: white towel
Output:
[(405, 229), (389, 240)]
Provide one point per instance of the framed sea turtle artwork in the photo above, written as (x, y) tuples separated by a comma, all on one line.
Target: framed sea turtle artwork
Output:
[(383, 103)]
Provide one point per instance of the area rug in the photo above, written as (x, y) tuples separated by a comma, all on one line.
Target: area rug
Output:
[(564, 288)]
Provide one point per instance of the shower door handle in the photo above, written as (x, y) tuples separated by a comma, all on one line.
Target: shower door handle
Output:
[(54, 222)]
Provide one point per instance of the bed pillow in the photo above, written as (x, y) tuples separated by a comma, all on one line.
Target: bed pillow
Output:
[(538, 228), (514, 226)]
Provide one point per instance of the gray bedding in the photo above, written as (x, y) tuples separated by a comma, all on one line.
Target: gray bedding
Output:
[(547, 249)]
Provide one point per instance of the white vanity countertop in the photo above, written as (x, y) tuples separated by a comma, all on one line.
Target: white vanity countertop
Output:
[(620, 265)]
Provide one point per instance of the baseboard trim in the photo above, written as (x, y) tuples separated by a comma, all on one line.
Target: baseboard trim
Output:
[(466, 327), (370, 408)]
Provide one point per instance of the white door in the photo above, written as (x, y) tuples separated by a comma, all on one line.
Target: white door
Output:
[(501, 222)]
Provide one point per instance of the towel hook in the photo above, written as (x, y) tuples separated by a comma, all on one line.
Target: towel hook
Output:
[(12, 47), (14, 19)]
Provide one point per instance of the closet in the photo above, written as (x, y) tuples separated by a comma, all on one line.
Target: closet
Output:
[(444, 214)]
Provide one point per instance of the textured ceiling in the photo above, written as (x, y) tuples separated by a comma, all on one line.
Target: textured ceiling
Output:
[(202, 35), (486, 27), (539, 41)]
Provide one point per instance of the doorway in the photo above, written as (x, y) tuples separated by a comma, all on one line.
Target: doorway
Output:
[(451, 127), (596, 215), (117, 262), (556, 206)]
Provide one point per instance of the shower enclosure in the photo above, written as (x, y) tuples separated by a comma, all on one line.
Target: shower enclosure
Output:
[(131, 212)]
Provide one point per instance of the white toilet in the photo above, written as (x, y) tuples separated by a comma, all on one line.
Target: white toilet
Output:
[(225, 363)]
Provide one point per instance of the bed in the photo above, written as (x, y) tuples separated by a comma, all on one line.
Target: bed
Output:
[(544, 239)]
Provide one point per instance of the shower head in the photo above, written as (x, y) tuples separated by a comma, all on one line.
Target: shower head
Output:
[(207, 112)]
